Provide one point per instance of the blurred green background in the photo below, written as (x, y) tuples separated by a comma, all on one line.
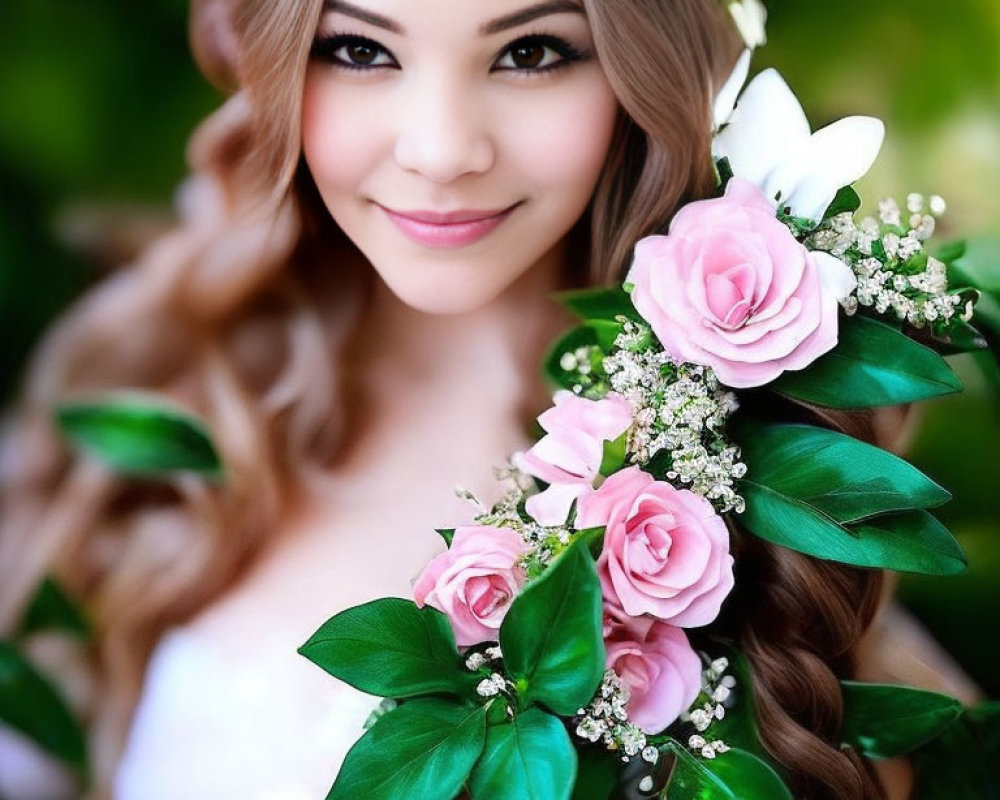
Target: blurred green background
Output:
[(99, 98)]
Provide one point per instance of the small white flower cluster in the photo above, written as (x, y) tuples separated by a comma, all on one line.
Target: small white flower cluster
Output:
[(716, 687), (606, 720), (893, 270), (681, 410), (579, 364)]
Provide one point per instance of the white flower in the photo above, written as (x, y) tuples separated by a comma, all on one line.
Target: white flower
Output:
[(725, 100), (750, 16), (768, 141)]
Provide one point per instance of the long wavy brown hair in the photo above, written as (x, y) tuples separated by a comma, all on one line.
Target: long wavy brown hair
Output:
[(222, 316)]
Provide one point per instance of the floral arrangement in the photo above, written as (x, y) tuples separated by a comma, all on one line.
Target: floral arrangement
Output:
[(546, 652)]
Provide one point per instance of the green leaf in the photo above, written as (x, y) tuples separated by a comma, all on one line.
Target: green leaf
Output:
[(140, 436), (734, 775), (606, 332), (426, 748), (873, 364), (52, 610), (964, 762), (844, 478), (888, 721), (596, 774), (845, 200), (527, 758), (391, 648), (447, 534), (979, 265), (552, 637), (689, 780), (606, 304), (911, 541), (584, 336), (29, 703), (613, 458), (747, 776)]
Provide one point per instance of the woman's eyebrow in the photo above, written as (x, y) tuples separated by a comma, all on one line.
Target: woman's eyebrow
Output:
[(343, 7), (494, 26), (528, 14)]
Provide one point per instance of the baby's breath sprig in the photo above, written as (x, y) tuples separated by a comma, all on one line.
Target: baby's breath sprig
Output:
[(710, 707), (605, 720), (681, 413), (895, 274)]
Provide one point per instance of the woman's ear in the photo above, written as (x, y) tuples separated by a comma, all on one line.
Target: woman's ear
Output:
[(214, 42)]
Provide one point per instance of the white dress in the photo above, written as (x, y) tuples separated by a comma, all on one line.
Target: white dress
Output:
[(275, 727)]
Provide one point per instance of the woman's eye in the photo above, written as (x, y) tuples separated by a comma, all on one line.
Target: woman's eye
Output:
[(352, 52), (537, 54)]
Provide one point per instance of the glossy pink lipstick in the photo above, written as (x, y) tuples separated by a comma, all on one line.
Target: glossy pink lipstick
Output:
[(451, 229)]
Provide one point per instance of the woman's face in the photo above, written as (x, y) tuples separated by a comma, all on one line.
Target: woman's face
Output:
[(456, 142)]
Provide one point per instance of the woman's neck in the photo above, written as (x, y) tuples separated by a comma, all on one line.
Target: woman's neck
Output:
[(402, 360)]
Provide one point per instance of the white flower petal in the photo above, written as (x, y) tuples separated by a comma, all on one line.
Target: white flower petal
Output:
[(725, 100), (833, 157), (750, 17), (768, 125), (835, 276)]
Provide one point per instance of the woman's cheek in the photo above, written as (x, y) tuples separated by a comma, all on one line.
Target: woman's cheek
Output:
[(566, 135), (328, 135)]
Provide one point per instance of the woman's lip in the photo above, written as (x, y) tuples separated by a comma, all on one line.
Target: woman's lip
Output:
[(447, 229)]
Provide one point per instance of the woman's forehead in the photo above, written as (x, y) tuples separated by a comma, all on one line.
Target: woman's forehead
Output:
[(480, 17)]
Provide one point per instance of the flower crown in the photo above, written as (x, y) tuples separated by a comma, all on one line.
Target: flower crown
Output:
[(570, 598)]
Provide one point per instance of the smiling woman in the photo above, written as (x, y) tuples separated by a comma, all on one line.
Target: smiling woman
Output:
[(355, 303)]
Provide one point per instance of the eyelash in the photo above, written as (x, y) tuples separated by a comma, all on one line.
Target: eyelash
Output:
[(325, 49)]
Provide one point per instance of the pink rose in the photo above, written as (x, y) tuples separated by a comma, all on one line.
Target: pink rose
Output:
[(569, 456), (730, 288), (657, 664), (474, 581), (666, 551)]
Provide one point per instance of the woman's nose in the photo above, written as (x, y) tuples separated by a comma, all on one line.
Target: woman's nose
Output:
[(443, 133)]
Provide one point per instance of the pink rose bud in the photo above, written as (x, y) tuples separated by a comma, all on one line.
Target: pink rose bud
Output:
[(666, 551), (474, 581), (730, 288), (569, 456), (657, 664)]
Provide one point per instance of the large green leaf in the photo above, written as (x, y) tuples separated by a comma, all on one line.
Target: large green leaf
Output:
[(29, 703), (888, 721), (912, 541), (552, 636), (844, 478), (423, 750), (391, 648), (603, 304), (873, 364), (138, 435), (52, 610), (527, 758), (805, 484)]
